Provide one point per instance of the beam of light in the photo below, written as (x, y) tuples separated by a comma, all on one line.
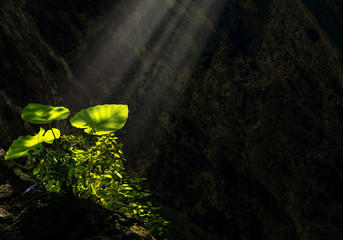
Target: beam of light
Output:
[(172, 29), (180, 40), (176, 30), (133, 31)]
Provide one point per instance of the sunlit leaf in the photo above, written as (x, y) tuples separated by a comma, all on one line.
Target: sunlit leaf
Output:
[(101, 119), (49, 136), (119, 175), (93, 189), (41, 114), (22, 145)]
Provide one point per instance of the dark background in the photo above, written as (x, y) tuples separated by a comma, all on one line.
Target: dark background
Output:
[(235, 106)]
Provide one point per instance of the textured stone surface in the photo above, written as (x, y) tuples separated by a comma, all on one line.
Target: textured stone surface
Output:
[(235, 106)]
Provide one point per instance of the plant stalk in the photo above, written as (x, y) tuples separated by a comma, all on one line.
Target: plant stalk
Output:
[(57, 144)]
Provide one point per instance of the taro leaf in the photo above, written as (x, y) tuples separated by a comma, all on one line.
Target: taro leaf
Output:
[(22, 145), (41, 114), (101, 119)]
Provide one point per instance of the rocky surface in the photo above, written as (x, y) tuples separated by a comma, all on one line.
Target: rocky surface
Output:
[(235, 106)]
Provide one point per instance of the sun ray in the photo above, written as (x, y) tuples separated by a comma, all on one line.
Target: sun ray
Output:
[(151, 34)]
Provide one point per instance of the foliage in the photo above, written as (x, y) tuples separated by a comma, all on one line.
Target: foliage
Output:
[(41, 114), (89, 167), (23, 145), (101, 119)]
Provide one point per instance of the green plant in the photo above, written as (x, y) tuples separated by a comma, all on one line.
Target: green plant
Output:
[(89, 167)]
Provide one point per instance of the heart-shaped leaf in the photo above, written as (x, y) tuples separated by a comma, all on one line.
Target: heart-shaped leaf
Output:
[(40, 114), (22, 145), (101, 119)]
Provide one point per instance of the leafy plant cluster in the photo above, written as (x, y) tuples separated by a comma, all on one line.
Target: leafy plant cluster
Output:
[(89, 167)]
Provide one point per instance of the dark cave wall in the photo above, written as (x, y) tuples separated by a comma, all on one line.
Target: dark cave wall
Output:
[(31, 70), (240, 138), (256, 142)]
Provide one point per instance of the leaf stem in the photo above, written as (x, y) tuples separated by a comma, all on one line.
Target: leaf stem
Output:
[(58, 146)]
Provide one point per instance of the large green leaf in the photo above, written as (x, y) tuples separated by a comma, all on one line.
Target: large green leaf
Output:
[(41, 114), (101, 119), (22, 145)]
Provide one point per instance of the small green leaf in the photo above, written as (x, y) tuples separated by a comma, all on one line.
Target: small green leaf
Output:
[(101, 119), (119, 175), (40, 114), (127, 188), (36, 170), (46, 177), (93, 189)]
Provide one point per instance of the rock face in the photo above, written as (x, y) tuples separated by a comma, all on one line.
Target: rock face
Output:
[(235, 106)]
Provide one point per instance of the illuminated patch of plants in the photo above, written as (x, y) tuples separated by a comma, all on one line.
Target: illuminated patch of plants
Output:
[(89, 167)]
